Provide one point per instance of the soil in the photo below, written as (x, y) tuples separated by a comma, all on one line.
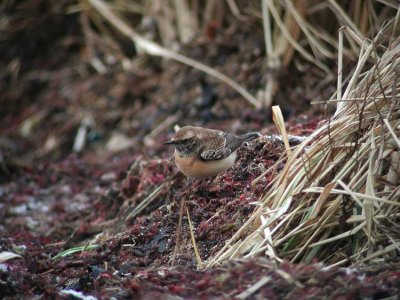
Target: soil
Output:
[(89, 195)]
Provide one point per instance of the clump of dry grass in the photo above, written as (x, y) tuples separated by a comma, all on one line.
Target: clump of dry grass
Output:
[(338, 197)]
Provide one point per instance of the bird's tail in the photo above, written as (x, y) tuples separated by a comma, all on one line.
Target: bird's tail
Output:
[(250, 136)]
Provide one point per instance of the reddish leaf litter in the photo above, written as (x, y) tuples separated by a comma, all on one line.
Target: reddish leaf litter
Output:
[(134, 254), (117, 196)]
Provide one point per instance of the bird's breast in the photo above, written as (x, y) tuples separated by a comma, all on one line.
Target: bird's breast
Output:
[(193, 167)]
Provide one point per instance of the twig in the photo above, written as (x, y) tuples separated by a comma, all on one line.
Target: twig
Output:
[(142, 205), (280, 123), (196, 250), (340, 64), (178, 230), (254, 288)]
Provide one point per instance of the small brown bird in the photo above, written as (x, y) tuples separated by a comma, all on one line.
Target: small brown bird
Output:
[(201, 152)]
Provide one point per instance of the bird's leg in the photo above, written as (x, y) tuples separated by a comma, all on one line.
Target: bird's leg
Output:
[(197, 184), (208, 181), (211, 179)]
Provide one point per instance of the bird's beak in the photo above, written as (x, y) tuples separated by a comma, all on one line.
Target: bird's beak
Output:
[(170, 143)]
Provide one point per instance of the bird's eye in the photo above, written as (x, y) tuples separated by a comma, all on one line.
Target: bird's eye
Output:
[(185, 141)]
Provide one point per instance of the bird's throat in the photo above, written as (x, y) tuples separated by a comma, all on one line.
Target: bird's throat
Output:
[(186, 149)]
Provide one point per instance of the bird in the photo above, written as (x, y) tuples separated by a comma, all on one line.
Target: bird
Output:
[(203, 153)]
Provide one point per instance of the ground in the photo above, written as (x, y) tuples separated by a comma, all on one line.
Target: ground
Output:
[(117, 195)]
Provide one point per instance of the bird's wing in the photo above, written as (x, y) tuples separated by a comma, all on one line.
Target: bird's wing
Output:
[(220, 146), (233, 142)]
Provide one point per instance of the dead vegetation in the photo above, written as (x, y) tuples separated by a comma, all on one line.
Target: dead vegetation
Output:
[(306, 28), (337, 199), (340, 187), (88, 205)]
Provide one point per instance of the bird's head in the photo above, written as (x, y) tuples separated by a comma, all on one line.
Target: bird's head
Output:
[(185, 135)]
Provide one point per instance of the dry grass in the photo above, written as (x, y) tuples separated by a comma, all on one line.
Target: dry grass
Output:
[(338, 197), (297, 32)]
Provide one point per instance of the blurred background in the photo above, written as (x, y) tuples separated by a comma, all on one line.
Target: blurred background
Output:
[(95, 76)]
